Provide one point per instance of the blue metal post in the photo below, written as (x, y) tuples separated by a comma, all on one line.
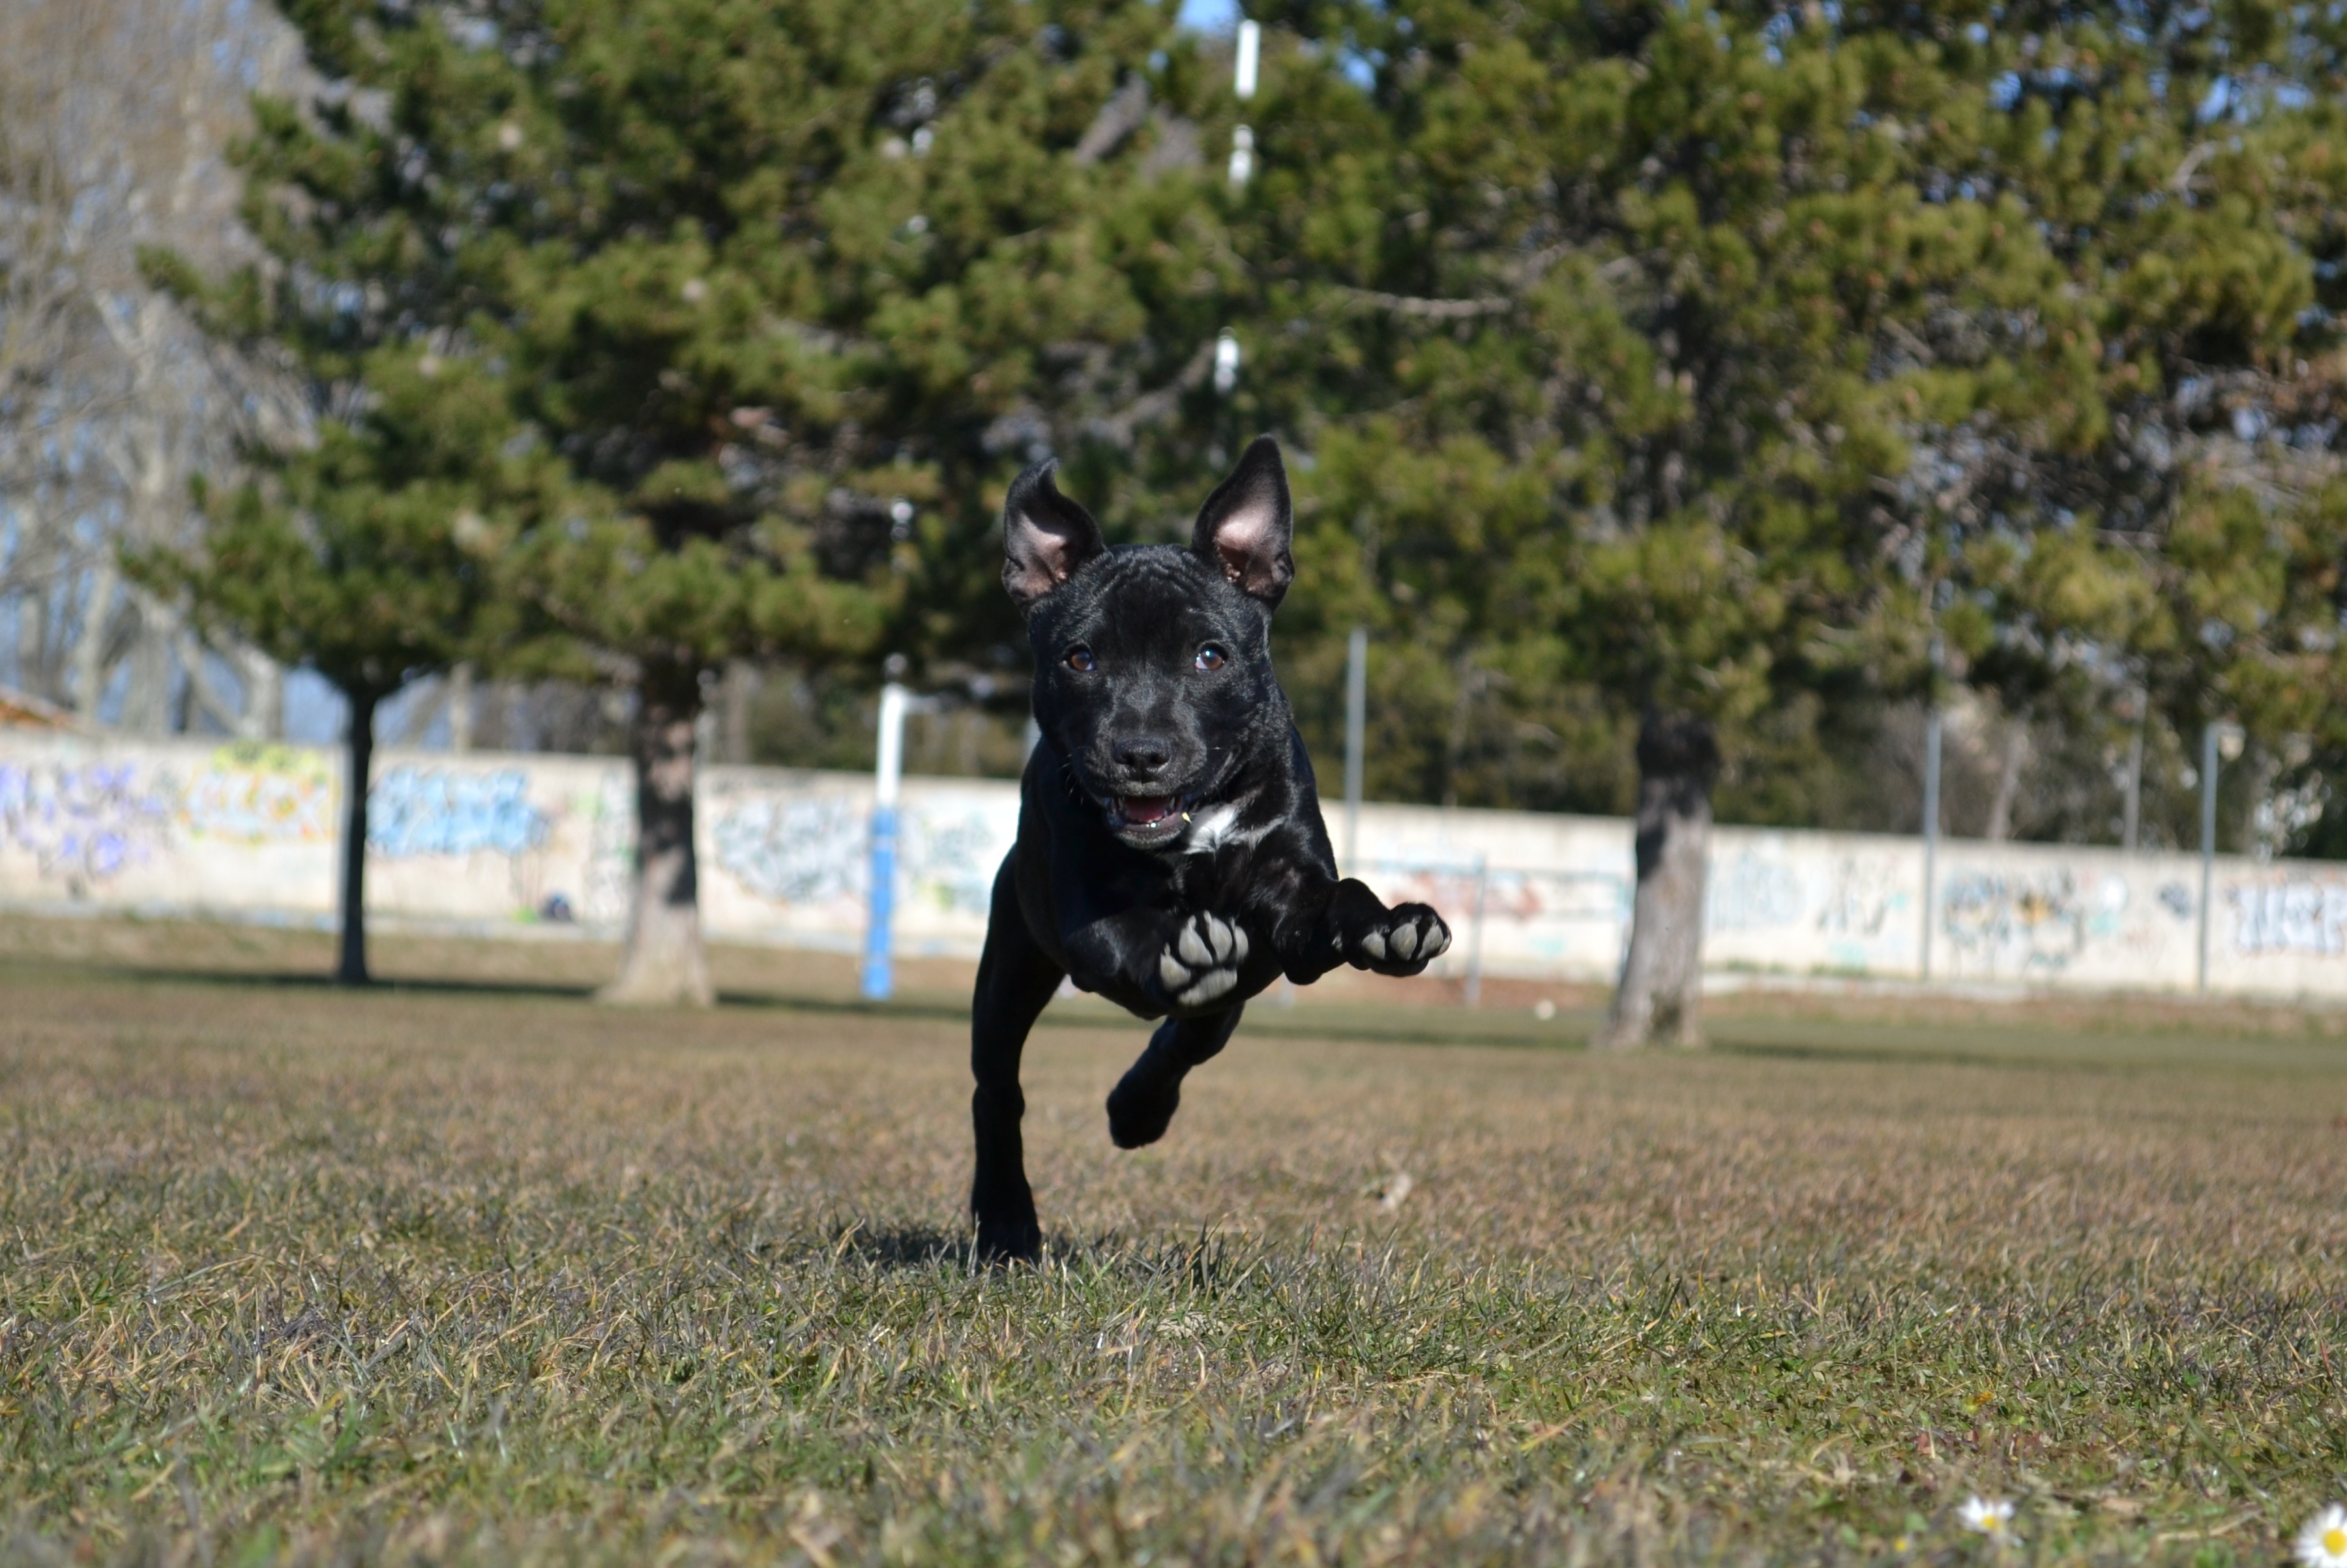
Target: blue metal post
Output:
[(879, 980), (879, 971)]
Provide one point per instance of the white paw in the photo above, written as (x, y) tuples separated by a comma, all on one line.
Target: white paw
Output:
[(1201, 962), (1408, 938)]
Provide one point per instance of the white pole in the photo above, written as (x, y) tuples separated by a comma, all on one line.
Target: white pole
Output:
[(1243, 81), (1930, 827), (1241, 157), (2131, 814), (2207, 839), (1357, 714), (1474, 991), (2221, 742), (879, 978)]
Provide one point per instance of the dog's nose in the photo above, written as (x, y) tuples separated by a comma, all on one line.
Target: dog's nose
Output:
[(1143, 754)]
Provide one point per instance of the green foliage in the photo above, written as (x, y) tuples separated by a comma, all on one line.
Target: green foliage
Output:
[(1717, 360), (1639, 357), (366, 556)]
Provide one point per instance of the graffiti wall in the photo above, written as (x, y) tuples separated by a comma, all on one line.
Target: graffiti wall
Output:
[(540, 845)]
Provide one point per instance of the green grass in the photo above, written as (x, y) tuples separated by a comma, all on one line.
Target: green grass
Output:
[(482, 1273)]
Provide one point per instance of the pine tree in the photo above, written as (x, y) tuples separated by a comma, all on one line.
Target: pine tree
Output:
[(1695, 373), (775, 283), (361, 556)]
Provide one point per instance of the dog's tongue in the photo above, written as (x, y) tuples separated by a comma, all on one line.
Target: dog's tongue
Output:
[(1141, 810)]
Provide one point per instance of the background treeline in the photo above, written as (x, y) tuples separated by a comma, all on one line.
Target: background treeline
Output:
[(1762, 373)]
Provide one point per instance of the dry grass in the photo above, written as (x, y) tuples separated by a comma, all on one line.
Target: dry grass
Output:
[(483, 1273)]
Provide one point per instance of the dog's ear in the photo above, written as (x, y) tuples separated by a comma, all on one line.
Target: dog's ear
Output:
[(1045, 535), (1245, 527)]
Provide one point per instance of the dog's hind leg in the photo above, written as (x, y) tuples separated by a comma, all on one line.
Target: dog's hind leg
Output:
[(1142, 1105), (1015, 981)]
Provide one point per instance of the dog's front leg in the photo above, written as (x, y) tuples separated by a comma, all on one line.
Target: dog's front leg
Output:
[(1142, 1105), (1357, 928), (1159, 961), (1015, 981)]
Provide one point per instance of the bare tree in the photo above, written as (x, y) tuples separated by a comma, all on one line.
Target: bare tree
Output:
[(114, 118)]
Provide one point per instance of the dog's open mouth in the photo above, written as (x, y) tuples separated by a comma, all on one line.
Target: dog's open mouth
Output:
[(1145, 820), (1146, 810)]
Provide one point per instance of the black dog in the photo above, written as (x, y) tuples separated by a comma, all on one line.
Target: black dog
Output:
[(1171, 854)]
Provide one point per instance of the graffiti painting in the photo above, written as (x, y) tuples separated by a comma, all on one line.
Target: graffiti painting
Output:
[(1754, 893), (951, 855), (809, 850), (414, 811), (261, 794), (1862, 897), (85, 822), (2299, 916), (2008, 922)]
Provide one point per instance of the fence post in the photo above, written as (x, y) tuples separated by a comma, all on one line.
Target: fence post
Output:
[(2217, 736), (1474, 993), (879, 978), (2131, 805), (1357, 706), (1931, 827)]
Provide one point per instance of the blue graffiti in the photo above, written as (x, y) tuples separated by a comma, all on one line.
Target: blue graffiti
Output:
[(87, 821), (809, 851), (412, 811)]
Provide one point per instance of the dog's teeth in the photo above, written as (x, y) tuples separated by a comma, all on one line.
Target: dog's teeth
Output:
[(1171, 972), (1194, 949), (1211, 984), (1405, 941), (1374, 944)]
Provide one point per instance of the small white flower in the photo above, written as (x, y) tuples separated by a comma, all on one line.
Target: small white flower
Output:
[(1991, 1516), (2324, 1543)]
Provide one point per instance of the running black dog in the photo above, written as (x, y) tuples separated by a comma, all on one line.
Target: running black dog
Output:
[(1171, 854)]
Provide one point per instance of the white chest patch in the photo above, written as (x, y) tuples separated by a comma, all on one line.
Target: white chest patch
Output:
[(1218, 825)]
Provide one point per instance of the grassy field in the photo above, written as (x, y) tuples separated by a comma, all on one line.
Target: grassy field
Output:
[(474, 1271)]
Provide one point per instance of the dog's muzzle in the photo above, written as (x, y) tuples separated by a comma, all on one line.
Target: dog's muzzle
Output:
[(1146, 821)]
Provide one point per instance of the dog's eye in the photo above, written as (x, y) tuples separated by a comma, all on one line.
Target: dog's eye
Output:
[(1079, 659), (1211, 657)]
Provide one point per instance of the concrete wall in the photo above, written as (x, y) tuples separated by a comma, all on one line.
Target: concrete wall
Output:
[(527, 845)]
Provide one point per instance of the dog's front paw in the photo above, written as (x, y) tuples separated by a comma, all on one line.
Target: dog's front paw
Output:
[(1142, 1106), (1201, 962), (1402, 941), (1013, 1237)]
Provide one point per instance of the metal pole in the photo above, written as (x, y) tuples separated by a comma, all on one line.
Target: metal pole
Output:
[(1474, 994), (2207, 837), (1356, 715), (1243, 78), (879, 978), (1931, 827), (2131, 821)]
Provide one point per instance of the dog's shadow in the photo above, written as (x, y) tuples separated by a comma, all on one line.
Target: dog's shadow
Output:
[(1208, 1262)]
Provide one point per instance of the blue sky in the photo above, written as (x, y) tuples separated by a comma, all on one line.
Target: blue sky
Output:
[(1210, 15)]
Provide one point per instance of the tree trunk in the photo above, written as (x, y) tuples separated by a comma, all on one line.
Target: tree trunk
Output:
[(460, 709), (91, 667), (665, 964), (353, 969), (1662, 973), (2008, 779), (147, 698), (740, 689), (32, 660), (263, 717)]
